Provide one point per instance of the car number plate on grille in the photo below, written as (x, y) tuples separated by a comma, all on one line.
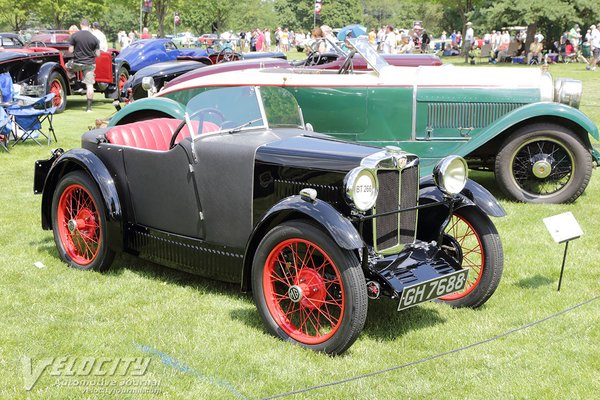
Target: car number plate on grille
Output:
[(432, 289)]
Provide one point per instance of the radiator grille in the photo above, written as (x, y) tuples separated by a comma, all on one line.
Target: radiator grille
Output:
[(386, 232), (408, 198), (463, 115)]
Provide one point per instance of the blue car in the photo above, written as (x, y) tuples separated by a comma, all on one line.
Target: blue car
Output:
[(146, 52)]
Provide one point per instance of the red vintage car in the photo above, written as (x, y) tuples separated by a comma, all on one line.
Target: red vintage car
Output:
[(109, 79)]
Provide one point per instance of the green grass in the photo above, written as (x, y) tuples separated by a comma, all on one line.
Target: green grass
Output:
[(217, 345)]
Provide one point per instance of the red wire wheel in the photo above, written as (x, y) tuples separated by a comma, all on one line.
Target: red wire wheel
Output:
[(303, 291), (57, 85), (472, 254), (58, 91), (480, 251), (307, 289), (79, 224)]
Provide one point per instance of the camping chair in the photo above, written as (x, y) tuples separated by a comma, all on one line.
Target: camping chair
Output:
[(5, 129), (486, 52), (29, 118)]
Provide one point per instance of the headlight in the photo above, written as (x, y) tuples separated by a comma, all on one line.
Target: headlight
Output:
[(361, 188), (450, 174), (568, 91)]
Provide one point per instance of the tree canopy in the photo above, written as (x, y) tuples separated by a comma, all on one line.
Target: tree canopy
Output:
[(203, 16)]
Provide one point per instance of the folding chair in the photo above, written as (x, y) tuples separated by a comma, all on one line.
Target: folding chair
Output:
[(29, 118), (5, 129)]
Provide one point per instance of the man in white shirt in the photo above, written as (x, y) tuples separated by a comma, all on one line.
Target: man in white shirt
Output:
[(389, 44), (101, 38)]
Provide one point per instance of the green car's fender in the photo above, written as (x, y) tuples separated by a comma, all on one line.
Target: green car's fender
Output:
[(561, 114), (143, 109)]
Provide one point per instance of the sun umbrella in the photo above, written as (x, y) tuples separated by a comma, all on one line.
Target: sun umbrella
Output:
[(352, 31)]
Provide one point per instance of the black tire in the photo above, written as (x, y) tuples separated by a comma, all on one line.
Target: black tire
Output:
[(56, 84), (122, 77), (336, 289), (79, 223), (473, 240), (543, 163)]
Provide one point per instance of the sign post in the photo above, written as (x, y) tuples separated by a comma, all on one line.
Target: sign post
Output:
[(563, 228)]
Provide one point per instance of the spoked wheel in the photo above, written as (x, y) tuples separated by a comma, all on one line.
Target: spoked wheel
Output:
[(544, 163), (79, 223), (307, 289), (473, 241), (56, 85), (122, 78)]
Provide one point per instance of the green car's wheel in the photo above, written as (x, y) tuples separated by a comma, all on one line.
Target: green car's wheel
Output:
[(307, 289), (543, 163)]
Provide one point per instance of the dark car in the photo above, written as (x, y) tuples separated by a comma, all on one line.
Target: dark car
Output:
[(10, 41), (240, 191), (38, 71)]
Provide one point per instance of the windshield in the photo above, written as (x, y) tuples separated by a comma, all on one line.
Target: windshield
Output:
[(237, 108), (375, 60)]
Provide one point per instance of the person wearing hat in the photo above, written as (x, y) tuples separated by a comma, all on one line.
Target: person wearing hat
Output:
[(100, 36), (469, 39), (406, 45)]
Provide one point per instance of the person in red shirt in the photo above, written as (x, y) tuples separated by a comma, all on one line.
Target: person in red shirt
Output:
[(146, 34), (260, 40)]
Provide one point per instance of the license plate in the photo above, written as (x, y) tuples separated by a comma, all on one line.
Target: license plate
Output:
[(432, 289)]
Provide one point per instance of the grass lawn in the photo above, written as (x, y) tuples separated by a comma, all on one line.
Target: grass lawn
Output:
[(204, 339)]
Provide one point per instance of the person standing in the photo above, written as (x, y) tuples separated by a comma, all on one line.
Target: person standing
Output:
[(469, 40), (146, 34), (100, 35), (389, 45), (85, 47)]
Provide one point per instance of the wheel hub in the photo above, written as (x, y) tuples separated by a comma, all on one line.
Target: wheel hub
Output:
[(295, 293), (72, 225), (542, 168)]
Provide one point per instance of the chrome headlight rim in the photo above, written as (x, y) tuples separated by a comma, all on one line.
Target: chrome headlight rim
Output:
[(352, 180), (445, 175)]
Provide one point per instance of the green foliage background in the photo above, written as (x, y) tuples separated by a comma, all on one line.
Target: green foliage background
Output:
[(201, 16)]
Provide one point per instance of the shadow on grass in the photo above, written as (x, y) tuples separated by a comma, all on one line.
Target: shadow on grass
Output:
[(534, 282)]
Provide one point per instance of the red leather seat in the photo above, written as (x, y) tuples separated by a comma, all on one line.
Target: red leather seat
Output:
[(153, 134)]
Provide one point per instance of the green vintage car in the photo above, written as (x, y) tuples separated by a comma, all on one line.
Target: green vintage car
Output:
[(520, 123)]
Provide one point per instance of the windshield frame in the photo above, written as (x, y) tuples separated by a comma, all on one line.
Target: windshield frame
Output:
[(373, 58)]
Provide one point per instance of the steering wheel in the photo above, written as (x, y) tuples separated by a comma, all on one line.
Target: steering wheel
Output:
[(347, 66), (200, 117), (313, 58), (226, 55)]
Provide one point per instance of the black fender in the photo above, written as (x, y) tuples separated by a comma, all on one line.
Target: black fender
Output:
[(473, 195), (85, 160), (44, 74), (294, 207)]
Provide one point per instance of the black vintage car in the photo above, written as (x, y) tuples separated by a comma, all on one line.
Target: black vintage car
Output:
[(314, 227)]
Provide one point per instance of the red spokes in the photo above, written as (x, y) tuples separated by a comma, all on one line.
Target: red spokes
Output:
[(472, 251), (303, 291), (57, 88), (79, 224), (122, 80)]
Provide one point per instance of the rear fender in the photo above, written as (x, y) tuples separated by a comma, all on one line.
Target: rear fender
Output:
[(85, 160), (136, 110), (320, 212)]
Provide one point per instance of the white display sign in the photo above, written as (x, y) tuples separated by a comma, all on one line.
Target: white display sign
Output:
[(563, 227)]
